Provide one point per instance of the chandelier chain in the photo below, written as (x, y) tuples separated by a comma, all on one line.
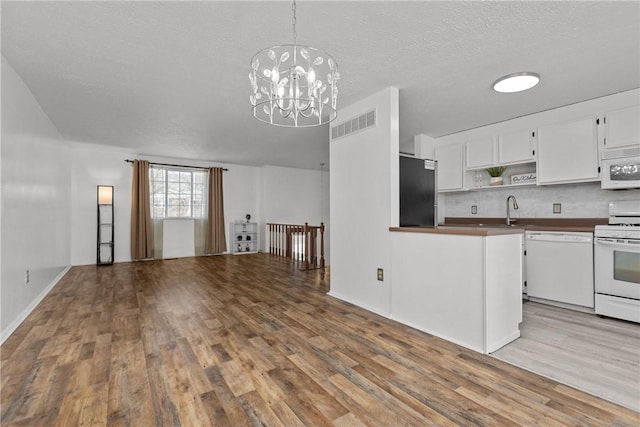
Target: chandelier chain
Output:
[(293, 21)]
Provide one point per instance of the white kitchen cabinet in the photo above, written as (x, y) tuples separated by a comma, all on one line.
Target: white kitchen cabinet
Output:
[(622, 127), (501, 150), (568, 152), (480, 153), (449, 167), (516, 147), (465, 289)]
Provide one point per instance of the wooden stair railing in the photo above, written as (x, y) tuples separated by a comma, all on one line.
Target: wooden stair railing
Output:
[(301, 243)]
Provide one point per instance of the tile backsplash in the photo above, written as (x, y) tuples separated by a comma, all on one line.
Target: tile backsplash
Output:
[(585, 200)]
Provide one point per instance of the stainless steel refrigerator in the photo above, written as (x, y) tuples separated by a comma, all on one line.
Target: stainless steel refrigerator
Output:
[(418, 192)]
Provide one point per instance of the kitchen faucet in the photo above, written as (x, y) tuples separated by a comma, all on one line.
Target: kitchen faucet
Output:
[(515, 206)]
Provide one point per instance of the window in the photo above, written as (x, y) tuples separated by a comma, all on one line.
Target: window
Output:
[(177, 193)]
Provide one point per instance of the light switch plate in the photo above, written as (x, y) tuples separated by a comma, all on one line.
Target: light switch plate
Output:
[(380, 274), (557, 208), (474, 210)]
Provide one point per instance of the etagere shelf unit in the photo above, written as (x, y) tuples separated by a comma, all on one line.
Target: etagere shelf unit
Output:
[(105, 225)]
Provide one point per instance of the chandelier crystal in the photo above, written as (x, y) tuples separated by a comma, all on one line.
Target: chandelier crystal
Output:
[(293, 85)]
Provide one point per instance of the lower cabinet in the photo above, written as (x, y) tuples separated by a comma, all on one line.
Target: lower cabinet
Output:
[(463, 288), (244, 238)]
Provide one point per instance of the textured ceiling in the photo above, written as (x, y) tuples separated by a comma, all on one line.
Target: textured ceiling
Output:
[(170, 78)]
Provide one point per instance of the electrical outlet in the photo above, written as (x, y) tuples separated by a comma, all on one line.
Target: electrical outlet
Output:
[(557, 208), (474, 210), (26, 276), (380, 274)]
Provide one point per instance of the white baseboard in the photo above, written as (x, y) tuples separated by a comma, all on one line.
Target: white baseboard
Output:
[(359, 304), (407, 323), (6, 333), (498, 344), (562, 305), (438, 334)]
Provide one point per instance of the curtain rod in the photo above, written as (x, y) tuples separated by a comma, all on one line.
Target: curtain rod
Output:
[(177, 166)]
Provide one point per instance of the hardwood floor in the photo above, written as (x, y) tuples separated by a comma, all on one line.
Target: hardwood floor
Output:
[(248, 340), (598, 355)]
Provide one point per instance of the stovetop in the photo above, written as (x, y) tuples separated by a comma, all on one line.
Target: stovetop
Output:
[(620, 231), (624, 221)]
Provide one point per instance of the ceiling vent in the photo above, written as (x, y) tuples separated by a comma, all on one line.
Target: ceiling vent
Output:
[(355, 125)]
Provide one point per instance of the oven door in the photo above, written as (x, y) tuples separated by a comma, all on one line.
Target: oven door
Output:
[(617, 267)]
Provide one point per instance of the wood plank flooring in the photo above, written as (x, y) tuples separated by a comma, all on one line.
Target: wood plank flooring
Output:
[(247, 341), (594, 354)]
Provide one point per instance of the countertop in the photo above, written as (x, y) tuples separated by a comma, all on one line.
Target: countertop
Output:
[(496, 226), (465, 230), (531, 224)]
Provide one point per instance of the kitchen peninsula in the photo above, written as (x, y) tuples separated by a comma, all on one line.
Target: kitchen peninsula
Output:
[(463, 284)]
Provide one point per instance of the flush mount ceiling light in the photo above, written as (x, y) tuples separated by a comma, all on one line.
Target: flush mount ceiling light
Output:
[(293, 85), (516, 82)]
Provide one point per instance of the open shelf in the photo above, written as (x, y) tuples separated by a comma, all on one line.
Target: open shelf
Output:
[(497, 187), (478, 178)]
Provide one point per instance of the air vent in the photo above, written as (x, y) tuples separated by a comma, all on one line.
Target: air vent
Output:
[(355, 125)]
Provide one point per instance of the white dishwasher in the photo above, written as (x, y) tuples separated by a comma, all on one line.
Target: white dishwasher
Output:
[(560, 267)]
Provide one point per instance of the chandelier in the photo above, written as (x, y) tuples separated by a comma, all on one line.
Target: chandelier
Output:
[(293, 85)]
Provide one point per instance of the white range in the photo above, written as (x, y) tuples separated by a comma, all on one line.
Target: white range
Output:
[(617, 262)]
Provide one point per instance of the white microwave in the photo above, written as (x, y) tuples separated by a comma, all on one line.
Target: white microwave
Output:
[(620, 169)]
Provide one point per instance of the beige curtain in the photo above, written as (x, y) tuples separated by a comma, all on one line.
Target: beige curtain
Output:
[(141, 227), (215, 239)]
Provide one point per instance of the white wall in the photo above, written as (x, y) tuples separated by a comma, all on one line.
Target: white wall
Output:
[(242, 196), (364, 204), (292, 196), (94, 165), (35, 202), (296, 196)]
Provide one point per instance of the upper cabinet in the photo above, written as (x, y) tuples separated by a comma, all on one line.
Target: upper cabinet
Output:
[(622, 127), (568, 152), (449, 159), (480, 153), (558, 146), (516, 147), (501, 150)]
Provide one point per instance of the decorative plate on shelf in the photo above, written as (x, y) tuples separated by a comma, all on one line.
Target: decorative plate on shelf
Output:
[(524, 178)]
